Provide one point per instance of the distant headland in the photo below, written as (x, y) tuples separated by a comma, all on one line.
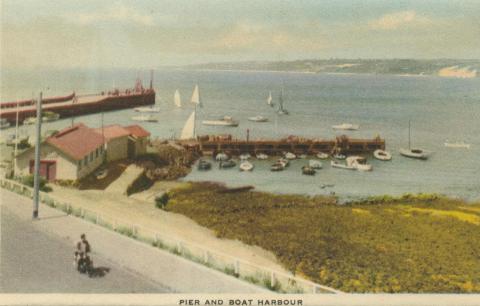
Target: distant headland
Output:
[(469, 68)]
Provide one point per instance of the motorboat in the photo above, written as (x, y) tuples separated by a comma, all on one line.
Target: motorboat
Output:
[(339, 156), (359, 163), (4, 123), (258, 119), (414, 153), (382, 155), (337, 164), (306, 170), (346, 126), (246, 166), (262, 156), (290, 155), (221, 157), (145, 118), (278, 166), (322, 155), (227, 164), (225, 121), (147, 109), (245, 156), (315, 164), (458, 144), (284, 162), (302, 156), (204, 165)]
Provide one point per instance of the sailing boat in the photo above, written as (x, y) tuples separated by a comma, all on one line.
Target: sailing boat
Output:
[(413, 153), (177, 99), (188, 131), (281, 110), (269, 99)]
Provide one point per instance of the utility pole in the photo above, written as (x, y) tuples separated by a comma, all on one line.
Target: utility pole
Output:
[(15, 151), (36, 181)]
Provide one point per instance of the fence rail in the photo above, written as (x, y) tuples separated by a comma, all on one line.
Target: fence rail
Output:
[(269, 278)]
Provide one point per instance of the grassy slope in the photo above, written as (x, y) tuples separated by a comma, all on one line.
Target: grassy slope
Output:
[(408, 245)]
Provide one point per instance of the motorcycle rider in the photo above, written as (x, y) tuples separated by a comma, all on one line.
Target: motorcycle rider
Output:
[(82, 259)]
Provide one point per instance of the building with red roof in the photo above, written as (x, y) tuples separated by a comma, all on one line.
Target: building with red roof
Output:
[(77, 151)]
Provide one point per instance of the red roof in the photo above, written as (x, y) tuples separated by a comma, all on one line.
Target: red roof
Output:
[(77, 141), (137, 131), (112, 131)]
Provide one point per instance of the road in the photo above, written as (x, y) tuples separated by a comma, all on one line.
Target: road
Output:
[(33, 262), (37, 256)]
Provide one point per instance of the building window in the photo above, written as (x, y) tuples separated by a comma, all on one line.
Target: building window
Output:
[(96, 153), (79, 164), (91, 156), (85, 160)]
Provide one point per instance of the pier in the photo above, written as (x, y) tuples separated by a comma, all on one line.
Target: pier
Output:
[(213, 144)]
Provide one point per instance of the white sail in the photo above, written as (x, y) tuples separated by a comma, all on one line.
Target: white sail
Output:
[(178, 100), (196, 96), (269, 100), (188, 131)]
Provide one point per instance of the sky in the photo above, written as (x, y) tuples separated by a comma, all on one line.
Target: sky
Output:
[(154, 33)]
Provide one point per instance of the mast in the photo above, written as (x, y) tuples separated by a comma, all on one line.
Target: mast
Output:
[(151, 79), (409, 134), (16, 140)]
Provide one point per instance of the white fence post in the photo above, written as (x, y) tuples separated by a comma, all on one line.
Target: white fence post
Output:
[(237, 267), (272, 279), (156, 239), (205, 256)]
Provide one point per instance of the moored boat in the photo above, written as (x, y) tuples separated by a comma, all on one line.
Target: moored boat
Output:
[(315, 164), (382, 155), (346, 126), (225, 121), (414, 153), (284, 162), (306, 170), (245, 156), (458, 144), (29, 121), (246, 166), (359, 163), (278, 166), (337, 164), (290, 155), (322, 155), (261, 156), (147, 109), (145, 118), (221, 157), (339, 156), (227, 164), (204, 165), (258, 119)]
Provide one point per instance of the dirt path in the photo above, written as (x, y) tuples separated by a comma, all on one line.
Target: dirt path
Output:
[(140, 209), (126, 178)]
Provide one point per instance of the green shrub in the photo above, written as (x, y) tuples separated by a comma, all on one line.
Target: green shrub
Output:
[(30, 179), (162, 200)]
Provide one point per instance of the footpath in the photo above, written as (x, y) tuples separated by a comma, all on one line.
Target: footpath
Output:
[(173, 272)]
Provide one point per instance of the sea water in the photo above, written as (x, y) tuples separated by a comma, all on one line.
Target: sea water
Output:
[(439, 109)]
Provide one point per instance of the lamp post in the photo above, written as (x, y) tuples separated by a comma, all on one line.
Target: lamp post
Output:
[(36, 180)]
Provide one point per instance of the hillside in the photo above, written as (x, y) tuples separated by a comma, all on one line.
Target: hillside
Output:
[(466, 68)]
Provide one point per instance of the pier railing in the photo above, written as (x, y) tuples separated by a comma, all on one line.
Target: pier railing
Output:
[(262, 276)]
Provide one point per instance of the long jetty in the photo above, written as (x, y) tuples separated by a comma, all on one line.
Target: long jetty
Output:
[(214, 144)]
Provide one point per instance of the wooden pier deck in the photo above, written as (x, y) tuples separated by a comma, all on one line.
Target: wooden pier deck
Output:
[(211, 145)]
